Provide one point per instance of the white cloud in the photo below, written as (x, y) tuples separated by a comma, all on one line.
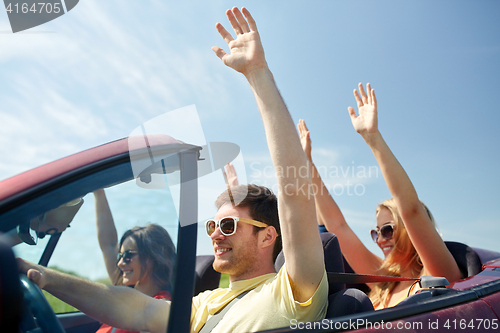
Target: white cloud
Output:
[(100, 74)]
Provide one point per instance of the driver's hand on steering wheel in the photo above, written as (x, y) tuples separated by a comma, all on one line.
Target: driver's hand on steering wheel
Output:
[(33, 272)]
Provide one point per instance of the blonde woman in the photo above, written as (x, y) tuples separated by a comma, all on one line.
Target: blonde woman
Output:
[(405, 230)]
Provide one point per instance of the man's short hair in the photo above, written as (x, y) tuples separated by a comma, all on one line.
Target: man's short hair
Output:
[(261, 203)]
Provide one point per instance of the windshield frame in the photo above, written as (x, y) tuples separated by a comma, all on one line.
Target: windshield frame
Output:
[(31, 201)]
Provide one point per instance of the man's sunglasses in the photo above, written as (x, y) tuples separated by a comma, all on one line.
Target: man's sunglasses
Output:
[(228, 225), (126, 255), (387, 231)]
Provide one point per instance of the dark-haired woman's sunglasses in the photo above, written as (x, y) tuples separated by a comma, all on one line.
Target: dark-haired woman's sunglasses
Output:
[(126, 255), (228, 225), (387, 231)]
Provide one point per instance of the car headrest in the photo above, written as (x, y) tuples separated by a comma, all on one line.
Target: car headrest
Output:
[(467, 259), (333, 259), (206, 277), (347, 302)]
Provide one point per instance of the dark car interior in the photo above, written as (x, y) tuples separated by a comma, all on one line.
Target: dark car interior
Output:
[(11, 297)]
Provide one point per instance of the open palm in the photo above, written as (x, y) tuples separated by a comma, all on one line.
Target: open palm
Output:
[(366, 120), (245, 52)]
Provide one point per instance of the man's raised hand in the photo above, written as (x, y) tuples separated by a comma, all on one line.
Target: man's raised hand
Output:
[(245, 52)]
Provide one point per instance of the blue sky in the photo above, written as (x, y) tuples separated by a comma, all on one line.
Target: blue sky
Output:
[(99, 71)]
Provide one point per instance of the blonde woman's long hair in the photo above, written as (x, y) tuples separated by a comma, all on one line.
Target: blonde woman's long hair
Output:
[(402, 257)]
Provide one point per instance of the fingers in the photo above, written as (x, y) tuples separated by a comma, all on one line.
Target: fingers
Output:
[(363, 98), (230, 170), (238, 22), (369, 95), (358, 99), (300, 127), (227, 38), (219, 52), (223, 32), (303, 130), (374, 99), (305, 138), (21, 265), (234, 22), (243, 25), (363, 93), (230, 175), (305, 126), (33, 275), (36, 277), (250, 20), (352, 113)]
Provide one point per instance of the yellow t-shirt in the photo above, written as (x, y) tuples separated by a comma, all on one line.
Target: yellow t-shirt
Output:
[(270, 305)]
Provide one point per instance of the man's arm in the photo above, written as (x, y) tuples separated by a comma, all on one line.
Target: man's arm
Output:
[(120, 307), (301, 241), (106, 234), (436, 258), (362, 260)]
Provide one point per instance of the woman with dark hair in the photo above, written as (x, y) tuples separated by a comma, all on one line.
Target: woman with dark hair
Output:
[(143, 259), (405, 232)]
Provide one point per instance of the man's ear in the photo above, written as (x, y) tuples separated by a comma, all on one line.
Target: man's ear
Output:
[(268, 236)]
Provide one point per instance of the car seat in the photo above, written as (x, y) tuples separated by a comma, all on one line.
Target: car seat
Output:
[(468, 262), (361, 286), (467, 259), (341, 300), (11, 296), (206, 277)]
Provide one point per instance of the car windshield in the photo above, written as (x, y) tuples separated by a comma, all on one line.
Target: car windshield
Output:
[(78, 249)]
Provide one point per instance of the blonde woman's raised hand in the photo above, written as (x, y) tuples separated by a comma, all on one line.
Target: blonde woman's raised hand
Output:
[(366, 120)]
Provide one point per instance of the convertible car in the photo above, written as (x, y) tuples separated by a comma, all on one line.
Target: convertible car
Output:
[(47, 216)]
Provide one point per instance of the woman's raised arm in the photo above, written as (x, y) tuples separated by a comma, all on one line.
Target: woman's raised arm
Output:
[(361, 260), (436, 258), (106, 234)]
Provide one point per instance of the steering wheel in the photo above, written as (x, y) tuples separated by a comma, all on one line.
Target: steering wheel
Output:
[(36, 306)]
